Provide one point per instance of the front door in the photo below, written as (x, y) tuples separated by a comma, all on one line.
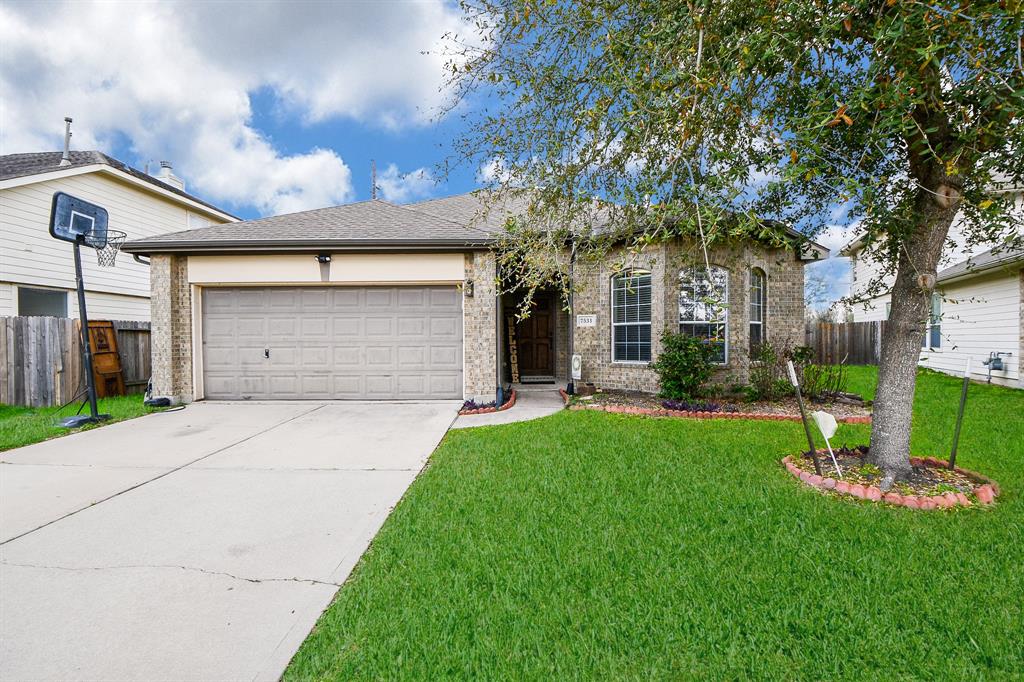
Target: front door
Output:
[(536, 339)]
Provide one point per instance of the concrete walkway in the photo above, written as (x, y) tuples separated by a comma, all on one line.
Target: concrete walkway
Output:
[(532, 402), (195, 545)]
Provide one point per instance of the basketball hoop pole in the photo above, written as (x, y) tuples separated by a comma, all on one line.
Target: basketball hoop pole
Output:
[(80, 222), (90, 385)]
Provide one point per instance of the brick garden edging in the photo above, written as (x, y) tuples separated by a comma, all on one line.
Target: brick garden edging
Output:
[(682, 414), (487, 410), (986, 492)]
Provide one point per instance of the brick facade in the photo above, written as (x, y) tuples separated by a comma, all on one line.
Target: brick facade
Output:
[(784, 316), (479, 319), (171, 309), (172, 316)]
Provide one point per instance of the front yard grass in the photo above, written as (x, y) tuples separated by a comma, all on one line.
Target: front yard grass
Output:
[(597, 545), (26, 425)]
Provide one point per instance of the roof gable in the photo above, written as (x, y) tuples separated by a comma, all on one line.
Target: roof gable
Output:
[(38, 163)]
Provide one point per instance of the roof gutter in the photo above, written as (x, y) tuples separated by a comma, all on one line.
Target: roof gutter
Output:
[(243, 246), (1006, 264)]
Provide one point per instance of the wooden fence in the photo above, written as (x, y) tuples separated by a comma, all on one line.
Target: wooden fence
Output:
[(860, 343), (41, 359)]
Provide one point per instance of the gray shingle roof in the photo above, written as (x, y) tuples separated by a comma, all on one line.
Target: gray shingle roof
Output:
[(34, 163), (366, 223), (471, 209), (472, 220), (982, 262)]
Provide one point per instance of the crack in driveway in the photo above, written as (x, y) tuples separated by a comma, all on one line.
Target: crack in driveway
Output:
[(196, 569)]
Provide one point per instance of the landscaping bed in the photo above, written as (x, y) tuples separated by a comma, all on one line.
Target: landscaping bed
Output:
[(635, 402), (931, 484), (473, 407)]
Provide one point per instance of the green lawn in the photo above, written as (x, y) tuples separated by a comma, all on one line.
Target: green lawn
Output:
[(595, 545), (26, 425)]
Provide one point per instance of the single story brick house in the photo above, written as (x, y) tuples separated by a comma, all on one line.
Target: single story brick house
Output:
[(374, 300)]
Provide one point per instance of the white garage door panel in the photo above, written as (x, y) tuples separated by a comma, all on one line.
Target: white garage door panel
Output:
[(332, 343)]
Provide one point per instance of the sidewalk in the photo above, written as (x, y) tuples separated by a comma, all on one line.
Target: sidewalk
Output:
[(532, 402)]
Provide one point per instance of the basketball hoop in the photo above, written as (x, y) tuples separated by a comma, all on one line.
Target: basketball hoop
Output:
[(84, 224), (107, 250)]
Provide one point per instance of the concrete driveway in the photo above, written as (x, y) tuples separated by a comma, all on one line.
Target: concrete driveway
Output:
[(199, 544)]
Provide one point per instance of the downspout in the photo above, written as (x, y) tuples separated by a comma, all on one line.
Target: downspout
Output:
[(140, 259)]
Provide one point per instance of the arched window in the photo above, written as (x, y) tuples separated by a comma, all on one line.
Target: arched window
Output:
[(631, 317), (758, 306), (703, 307)]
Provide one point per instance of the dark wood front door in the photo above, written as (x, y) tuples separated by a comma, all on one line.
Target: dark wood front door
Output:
[(536, 339)]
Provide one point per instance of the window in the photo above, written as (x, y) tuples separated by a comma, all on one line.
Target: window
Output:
[(758, 293), (703, 312), (42, 302), (631, 317), (933, 331)]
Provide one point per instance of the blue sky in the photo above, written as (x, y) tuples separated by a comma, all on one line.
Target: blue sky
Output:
[(263, 108)]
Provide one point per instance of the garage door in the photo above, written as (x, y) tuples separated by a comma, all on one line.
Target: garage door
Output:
[(365, 343)]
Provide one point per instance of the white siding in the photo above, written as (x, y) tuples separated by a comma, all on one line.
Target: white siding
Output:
[(29, 255), (6, 299), (103, 306), (983, 316), (864, 268)]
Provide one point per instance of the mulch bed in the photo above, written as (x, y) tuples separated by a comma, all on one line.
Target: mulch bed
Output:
[(786, 409), (486, 409), (931, 484)]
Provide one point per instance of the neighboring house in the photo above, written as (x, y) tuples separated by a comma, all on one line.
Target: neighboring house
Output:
[(979, 311), (976, 309), (37, 273), (378, 301), (865, 267)]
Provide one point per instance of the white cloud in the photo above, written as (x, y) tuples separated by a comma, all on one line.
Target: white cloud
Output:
[(493, 171), (833, 276), (834, 237), (398, 187), (173, 81)]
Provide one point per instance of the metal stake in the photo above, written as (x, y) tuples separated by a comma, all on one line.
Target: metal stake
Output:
[(960, 413), (803, 418)]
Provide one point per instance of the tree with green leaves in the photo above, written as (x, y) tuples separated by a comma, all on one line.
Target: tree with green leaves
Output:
[(724, 119)]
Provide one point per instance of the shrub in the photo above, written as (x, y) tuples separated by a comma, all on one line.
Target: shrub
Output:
[(817, 381), (823, 381), (768, 374), (684, 366)]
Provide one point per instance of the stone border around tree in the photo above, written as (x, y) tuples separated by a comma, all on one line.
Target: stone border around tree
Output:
[(487, 410), (986, 492), (682, 414)]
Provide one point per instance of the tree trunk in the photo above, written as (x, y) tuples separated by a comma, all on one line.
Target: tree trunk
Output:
[(919, 254)]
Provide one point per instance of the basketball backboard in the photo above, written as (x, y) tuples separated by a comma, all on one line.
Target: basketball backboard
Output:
[(76, 220)]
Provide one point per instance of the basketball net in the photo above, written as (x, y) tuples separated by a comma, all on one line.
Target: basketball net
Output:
[(106, 254)]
